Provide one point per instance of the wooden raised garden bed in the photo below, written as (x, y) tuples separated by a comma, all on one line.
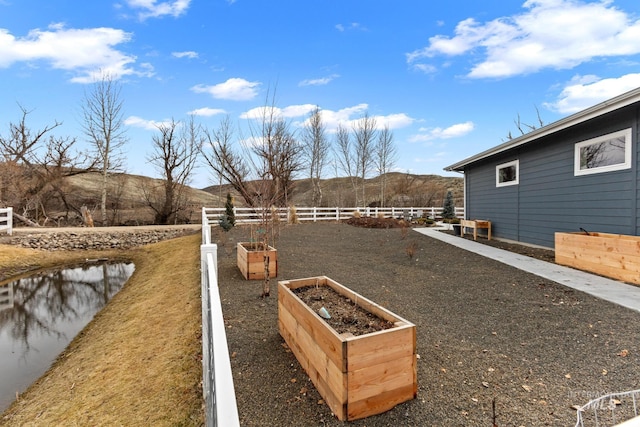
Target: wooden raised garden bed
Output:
[(357, 375), (251, 260), (612, 255)]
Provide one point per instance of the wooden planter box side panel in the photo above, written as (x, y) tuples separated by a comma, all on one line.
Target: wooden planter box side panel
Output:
[(612, 255), (251, 262), (380, 363), (304, 324), (357, 376), (390, 346), (371, 394), (319, 354)]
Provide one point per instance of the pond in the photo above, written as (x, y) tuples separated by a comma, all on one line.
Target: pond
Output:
[(41, 314)]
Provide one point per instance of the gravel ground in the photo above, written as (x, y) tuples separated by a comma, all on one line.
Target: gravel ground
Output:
[(496, 345)]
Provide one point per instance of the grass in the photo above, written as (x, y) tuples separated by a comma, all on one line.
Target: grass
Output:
[(139, 361)]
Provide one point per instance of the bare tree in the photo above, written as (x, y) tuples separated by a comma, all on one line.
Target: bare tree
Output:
[(345, 158), (278, 155), (385, 158), (34, 168), (261, 170), (525, 128), (174, 156), (316, 147), (103, 125), (226, 161), (276, 158), (364, 132)]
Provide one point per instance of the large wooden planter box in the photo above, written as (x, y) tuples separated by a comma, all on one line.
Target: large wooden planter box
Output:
[(251, 260), (357, 376), (612, 255)]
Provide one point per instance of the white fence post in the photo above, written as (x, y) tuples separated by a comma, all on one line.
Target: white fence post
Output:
[(10, 221), (6, 220)]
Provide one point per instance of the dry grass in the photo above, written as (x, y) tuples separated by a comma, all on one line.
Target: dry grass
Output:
[(139, 361)]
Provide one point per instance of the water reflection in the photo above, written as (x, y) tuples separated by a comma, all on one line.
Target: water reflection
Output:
[(40, 315)]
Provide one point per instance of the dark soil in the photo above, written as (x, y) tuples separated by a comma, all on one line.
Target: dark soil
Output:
[(374, 222), (543, 254), (488, 335), (344, 314)]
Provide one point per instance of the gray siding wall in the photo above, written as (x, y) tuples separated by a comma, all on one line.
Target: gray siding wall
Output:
[(549, 197)]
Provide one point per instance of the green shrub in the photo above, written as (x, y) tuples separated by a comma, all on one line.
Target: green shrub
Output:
[(224, 223), (448, 208)]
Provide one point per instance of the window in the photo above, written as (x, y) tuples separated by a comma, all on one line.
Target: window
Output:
[(507, 174), (606, 153)]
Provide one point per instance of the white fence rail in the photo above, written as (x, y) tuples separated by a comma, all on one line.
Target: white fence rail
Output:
[(314, 214), (6, 220), (615, 409), (221, 409)]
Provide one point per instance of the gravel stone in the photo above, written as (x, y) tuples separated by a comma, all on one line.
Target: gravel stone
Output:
[(488, 335)]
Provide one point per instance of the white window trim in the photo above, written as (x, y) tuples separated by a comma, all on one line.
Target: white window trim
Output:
[(626, 133), (516, 181)]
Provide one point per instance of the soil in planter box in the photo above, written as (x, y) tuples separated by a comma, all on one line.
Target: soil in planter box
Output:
[(346, 316), (253, 246)]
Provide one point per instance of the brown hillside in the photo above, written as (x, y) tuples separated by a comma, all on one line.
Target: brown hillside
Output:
[(401, 190), (126, 201), (127, 206)]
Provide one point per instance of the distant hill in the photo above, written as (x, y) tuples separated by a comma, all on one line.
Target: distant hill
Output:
[(402, 190), (127, 206), (126, 202)]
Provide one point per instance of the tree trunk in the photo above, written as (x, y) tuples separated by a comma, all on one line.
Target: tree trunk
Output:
[(103, 199), (26, 220)]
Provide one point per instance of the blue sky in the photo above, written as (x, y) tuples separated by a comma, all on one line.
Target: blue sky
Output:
[(449, 78)]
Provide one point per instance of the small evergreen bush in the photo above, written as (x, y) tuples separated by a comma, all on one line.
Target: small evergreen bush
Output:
[(224, 222), (448, 208), (229, 213)]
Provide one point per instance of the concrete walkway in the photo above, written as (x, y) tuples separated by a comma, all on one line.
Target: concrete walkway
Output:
[(607, 289)]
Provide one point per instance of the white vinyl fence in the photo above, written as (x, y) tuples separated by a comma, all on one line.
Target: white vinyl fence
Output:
[(219, 394), (615, 409), (218, 389), (6, 220), (314, 214)]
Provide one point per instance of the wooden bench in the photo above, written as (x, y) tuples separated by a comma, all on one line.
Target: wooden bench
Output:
[(475, 224)]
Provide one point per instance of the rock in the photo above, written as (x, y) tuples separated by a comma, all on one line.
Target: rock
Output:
[(99, 240)]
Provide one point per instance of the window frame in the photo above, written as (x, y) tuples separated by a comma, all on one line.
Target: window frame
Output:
[(628, 142), (516, 181)]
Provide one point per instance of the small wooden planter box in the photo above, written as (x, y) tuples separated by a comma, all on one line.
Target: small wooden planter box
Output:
[(475, 224), (357, 376), (251, 261), (612, 255)]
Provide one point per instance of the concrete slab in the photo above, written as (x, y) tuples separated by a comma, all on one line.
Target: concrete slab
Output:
[(601, 287)]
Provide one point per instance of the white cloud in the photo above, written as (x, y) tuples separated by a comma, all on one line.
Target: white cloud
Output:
[(153, 9), (187, 54), (319, 82), (331, 119), (351, 26), (289, 112), (87, 52), (394, 121), (453, 131), (349, 116), (425, 68), (344, 115), (234, 89), (139, 122), (559, 34), (207, 112), (586, 91)]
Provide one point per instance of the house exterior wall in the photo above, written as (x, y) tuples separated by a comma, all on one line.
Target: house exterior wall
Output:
[(548, 197)]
